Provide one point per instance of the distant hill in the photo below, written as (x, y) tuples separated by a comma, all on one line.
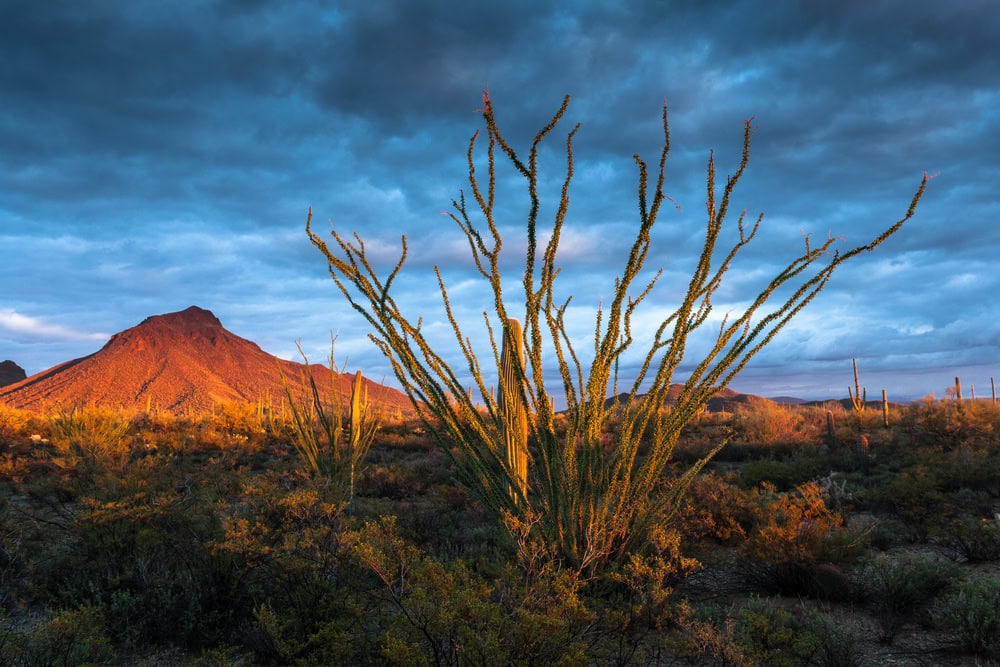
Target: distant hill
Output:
[(10, 373), (183, 361), (726, 400), (787, 400)]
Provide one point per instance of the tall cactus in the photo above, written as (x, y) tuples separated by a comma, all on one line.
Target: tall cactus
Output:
[(860, 396), (510, 401), (885, 409), (359, 405)]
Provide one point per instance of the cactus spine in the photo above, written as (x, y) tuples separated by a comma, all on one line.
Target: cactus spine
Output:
[(510, 402)]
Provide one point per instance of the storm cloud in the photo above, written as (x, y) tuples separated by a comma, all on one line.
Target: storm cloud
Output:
[(159, 155)]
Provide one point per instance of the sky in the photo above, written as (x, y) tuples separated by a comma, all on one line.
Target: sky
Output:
[(158, 155)]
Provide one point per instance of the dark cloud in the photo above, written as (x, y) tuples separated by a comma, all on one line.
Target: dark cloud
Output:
[(157, 156)]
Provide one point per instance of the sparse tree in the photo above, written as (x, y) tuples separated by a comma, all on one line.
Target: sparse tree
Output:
[(589, 504)]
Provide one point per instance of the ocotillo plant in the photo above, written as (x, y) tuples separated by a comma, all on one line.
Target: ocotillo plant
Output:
[(513, 412), (590, 504)]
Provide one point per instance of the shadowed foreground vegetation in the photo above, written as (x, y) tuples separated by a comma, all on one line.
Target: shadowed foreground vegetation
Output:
[(152, 539)]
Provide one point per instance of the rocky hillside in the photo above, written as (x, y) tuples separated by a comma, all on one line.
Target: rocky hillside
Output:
[(183, 361)]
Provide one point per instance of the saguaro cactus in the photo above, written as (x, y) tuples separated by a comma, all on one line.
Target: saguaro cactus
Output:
[(359, 404), (513, 413), (885, 409), (860, 395)]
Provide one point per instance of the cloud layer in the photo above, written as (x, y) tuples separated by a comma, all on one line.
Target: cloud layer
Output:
[(162, 155)]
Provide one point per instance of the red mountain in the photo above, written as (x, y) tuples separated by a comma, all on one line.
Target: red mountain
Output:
[(184, 361)]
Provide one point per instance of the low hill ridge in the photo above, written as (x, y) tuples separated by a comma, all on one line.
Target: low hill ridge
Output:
[(183, 362)]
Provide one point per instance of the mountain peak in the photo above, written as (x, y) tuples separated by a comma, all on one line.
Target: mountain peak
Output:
[(180, 361), (189, 319)]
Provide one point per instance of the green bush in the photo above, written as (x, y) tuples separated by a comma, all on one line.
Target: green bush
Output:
[(437, 613), (897, 588), (137, 548), (771, 635), (785, 475), (972, 539), (836, 645), (68, 639), (973, 612), (916, 498)]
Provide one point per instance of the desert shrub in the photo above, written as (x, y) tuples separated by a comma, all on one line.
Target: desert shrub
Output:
[(93, 435), (701, 437), (763, 631), (312, 602), (785, 475), (503, 622), (715, 510), (966, 467), (899, 587), (704, 634), (68, 639), (13, 552), (916, 498), (136, 547), (405, 435), (252, 420), (972, 610), (884, 533), (767, 423), (795, 542), (15, 425), (973, 539), (836, 644), (771, 635), (947, 424), (634, 602)]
